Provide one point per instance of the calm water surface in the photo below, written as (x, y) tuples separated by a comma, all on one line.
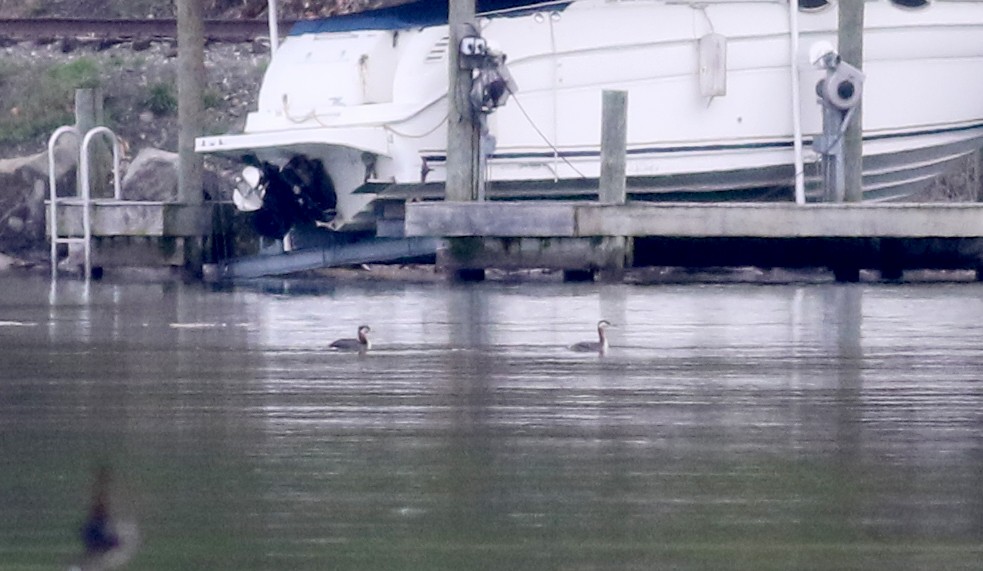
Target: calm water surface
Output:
[(731, 426)]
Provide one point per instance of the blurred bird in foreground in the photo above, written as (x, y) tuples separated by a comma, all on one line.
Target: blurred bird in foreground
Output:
[(107, 544)]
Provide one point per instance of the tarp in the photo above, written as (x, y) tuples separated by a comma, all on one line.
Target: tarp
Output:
[(419, 14)]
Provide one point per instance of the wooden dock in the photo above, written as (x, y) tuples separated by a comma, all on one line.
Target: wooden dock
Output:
[(844, 237), (139, 233), (138, 218), (694, 220)]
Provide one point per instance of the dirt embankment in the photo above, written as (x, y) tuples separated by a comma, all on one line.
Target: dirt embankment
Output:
[(133, 83)]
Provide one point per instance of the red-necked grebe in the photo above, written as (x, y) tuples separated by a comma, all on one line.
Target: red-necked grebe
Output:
[(361, 343), (599, 346)]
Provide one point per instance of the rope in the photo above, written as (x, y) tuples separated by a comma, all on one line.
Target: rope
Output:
[(420, 136), (542, 135)]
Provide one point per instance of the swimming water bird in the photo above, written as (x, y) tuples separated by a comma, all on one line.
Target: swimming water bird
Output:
[(107, 544), (361, 343), (599, 346)]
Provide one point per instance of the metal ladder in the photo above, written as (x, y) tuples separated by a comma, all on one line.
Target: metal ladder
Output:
[(85, 198)]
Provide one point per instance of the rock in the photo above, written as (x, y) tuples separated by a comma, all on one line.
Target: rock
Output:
[(152, 176), (68, 45), (128, 72), (8, 262), (141, 44), (23, 190), (74, 262)]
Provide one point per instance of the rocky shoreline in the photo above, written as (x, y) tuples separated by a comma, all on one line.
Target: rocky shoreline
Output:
[(128, 75), (130, 71)]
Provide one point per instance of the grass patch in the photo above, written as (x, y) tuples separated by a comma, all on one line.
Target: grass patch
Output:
[(212, 99), (83, 73), (39, 100), (161, 99)]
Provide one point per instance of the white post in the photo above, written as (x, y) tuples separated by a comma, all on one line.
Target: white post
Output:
[(793, 20), (274, 27)]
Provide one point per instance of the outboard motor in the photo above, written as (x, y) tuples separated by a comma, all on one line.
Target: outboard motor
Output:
[(313, 189), (300, 192)]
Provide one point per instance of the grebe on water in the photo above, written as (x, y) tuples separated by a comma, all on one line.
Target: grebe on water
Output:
[(107, 544), (599, 346), (361, 343)]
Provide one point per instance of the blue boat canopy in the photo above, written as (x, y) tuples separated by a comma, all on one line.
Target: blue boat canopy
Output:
[(418, 14)]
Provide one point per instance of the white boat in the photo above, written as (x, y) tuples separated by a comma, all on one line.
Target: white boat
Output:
[(717, 100)]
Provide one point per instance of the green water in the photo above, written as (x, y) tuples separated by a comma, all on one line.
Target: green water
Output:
[(730, 427)]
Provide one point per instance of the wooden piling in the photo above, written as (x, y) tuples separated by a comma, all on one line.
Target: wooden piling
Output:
[(463, 136), (851, 50), (89, 114), (190, 86), (614, 137), (462, 129), (191, 113), (612, 183), (88, 109)]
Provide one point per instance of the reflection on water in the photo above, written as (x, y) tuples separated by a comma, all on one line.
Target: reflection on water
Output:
[(730, 427)]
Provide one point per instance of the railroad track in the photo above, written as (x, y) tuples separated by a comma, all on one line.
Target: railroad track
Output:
[(27, 29)]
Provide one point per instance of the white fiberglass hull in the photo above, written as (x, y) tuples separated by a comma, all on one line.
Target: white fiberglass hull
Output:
[(371, 103)]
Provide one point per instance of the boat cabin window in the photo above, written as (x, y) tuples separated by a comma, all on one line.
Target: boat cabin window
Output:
[(812, 5), (910, 3)]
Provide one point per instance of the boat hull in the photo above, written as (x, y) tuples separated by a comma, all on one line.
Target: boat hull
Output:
[(371, 103)]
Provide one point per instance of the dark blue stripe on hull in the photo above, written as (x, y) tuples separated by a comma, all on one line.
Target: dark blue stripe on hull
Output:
[(420, 14)]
